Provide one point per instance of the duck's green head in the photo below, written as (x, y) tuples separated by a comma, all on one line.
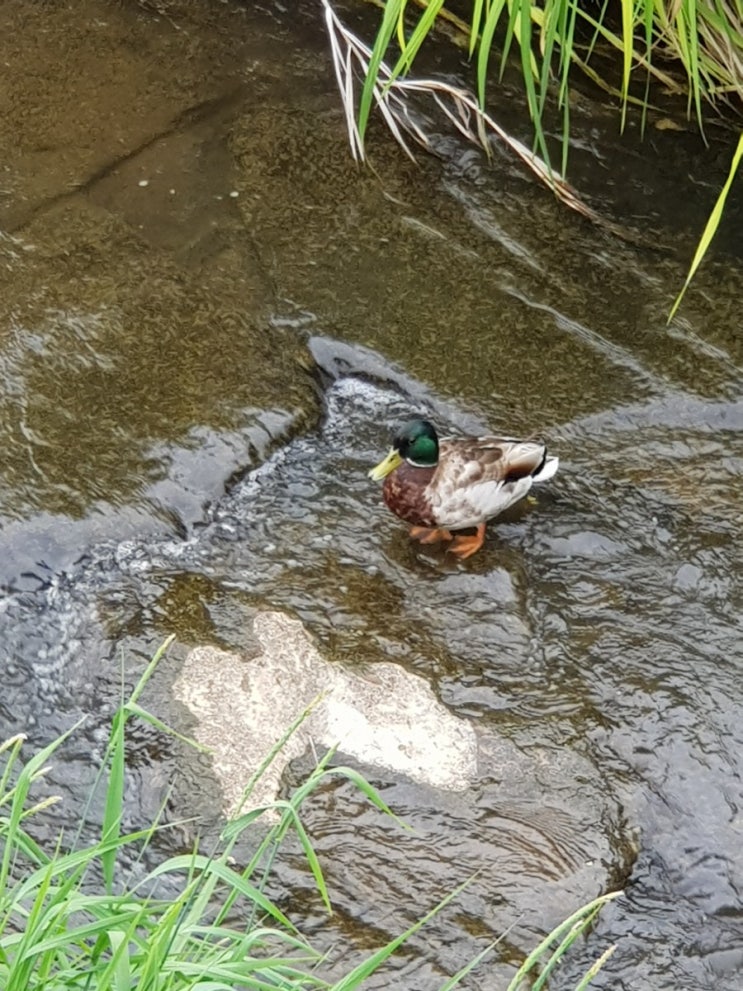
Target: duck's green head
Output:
[(416, 443)]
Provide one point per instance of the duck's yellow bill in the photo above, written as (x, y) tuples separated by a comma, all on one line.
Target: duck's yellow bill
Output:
[(392, 461)]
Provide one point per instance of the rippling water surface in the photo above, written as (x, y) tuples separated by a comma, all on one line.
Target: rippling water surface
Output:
[(192, 398)]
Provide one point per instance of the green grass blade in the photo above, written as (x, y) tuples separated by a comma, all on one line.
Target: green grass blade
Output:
[(648, 23), (562, 948), (695, 75), (112, 813), (547, 39), (594, 969), (367, 967), (390, 17), (400, 28), (234, 881), (17, 795), (233, 829), (118, 971), (116, 759), (64, 865), (486, 43), (681, 39), (314, 865), (711, 226), (567, 45), (529, 73), (366, 789), (420, 33), (29, 947), (72, 934), (462, 973), (581, 917), (13, 744), (136, 710), (477, 13), (627, 52), (150, 669)]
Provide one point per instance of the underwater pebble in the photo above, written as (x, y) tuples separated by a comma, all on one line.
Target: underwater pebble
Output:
[(687, 578)]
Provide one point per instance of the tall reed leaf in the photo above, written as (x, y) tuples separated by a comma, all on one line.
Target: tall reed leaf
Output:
[(627, 52), (529, 70), (114, 798), (486, 42), (477, 15), (711, 226), (410, 48), (567, 932), (390, 18), (367, 967)]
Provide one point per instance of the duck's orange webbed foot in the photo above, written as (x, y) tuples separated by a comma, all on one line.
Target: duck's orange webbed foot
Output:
[(428, 535), (464, 547)]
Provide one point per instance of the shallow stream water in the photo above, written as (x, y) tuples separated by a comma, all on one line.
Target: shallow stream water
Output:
[(211, 322)]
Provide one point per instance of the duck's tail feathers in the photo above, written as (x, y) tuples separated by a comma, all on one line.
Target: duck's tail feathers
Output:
[(547, 469)]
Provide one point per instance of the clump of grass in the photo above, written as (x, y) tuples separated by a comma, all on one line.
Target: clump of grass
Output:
[(546, 957), (74, 919), (384, 88), (692, 48)]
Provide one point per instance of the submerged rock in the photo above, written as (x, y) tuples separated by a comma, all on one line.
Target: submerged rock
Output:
[(386, 718), (479, 806)]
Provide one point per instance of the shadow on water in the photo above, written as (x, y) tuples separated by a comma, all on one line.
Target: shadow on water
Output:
[(170, 425)]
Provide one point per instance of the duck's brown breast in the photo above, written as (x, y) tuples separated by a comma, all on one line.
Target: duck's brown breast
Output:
[(405, 493)]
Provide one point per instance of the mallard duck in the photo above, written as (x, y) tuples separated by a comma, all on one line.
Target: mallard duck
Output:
[(457, 482)]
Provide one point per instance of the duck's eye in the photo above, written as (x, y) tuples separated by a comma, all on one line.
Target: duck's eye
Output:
[(423, 448)]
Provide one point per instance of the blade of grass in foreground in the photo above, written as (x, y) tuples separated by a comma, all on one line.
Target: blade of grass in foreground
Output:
[(627, 52), (367, 967), (114, 758), (595, 968), (460, 974), (567, 932), (17, 795), (381, 43), (409, 48), (62, 927), (711, 227)]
